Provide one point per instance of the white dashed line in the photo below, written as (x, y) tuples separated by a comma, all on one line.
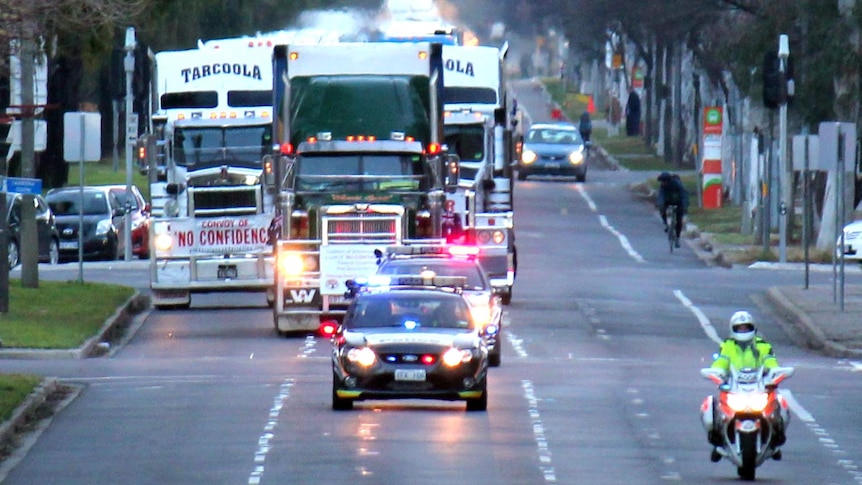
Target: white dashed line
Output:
[(546, 467), (263, 443)]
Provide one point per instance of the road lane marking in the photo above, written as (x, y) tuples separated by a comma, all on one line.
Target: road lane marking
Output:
[(624, 241), (705, 324), (265, 439), (546, 467), (586, 197)]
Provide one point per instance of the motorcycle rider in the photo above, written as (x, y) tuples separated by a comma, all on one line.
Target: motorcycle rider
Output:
[(744, 348)]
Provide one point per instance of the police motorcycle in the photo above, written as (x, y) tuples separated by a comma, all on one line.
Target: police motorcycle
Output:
[(751, 416)]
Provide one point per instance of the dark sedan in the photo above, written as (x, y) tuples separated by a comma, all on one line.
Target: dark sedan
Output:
[(139, 214), (102, 214), (409, 341), (46, 230), (553, 149)]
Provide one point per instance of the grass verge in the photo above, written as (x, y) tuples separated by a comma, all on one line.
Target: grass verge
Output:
[(76, 313), (103, 173), (14, 389)]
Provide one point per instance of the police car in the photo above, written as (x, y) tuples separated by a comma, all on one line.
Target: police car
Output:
[(452, 260), (408, 337)]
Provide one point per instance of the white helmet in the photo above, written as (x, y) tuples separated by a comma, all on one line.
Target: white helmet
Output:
[(742, 327)]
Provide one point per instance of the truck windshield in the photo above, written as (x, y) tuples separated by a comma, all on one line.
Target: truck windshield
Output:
[(244, 146), (467, 142), (359, 172)]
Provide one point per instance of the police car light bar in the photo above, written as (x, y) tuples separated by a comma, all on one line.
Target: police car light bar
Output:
[(421, 280), (432, 250)]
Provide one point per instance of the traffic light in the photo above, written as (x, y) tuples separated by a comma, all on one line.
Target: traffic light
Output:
[(772, 89)]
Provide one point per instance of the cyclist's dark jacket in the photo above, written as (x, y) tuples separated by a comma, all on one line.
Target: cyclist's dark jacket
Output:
[(673, 194)]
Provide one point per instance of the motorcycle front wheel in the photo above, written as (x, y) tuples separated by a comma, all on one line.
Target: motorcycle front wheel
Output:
[(748, 446)]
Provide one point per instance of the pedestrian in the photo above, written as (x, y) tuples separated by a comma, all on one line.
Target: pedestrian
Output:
[(585, 126), (633, 113)]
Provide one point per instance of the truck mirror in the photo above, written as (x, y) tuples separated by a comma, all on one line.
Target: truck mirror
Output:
[(174, 188), (453, 171)]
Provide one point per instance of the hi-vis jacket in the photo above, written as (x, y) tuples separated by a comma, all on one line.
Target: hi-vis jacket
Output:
[(753, 354)]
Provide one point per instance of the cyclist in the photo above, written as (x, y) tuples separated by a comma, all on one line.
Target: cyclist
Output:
[(671, 192)]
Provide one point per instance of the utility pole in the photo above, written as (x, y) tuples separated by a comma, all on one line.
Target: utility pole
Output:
[(131, 135), (29, 236), (786, 169)]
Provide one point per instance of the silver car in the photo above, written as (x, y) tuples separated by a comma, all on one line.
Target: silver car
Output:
[(553, 149)]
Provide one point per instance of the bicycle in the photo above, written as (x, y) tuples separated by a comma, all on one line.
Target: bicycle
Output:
[(672, 218)]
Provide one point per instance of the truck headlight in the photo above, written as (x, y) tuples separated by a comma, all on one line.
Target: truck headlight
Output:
[(163, 242)]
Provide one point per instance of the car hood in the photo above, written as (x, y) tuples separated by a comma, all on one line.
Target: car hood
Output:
[(551, 149)]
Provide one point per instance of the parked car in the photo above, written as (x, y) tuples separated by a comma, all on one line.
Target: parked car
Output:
[(46, 230), (139, 211), (852, 241), (102, 216), (553, 149)]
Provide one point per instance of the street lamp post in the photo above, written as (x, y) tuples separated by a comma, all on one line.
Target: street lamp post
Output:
[(786, 171), (131, 133)]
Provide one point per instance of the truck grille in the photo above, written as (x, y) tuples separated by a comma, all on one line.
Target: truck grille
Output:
[(223, 201), (362, 228)]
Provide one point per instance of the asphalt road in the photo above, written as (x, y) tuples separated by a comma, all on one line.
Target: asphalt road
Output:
[(599, 381)]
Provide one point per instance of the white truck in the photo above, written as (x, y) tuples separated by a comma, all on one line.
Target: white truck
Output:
[(360, 126), (213, 197), (477, 129), (10, 127)]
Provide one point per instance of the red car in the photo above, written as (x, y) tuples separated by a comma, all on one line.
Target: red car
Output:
[(140, 215)]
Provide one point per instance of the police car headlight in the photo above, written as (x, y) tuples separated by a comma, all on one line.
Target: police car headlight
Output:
[(363, 356), (576, 158), (528, 157), (163, 242), (455, 357), (172, 208)]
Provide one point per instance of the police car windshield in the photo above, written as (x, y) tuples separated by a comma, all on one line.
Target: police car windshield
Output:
[(425, 309)]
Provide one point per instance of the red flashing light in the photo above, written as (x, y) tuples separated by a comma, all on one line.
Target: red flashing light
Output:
[(286, 149), (428, 359), (463, 250), (433, 148)]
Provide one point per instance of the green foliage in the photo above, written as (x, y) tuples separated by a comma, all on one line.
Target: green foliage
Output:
[(76, 312)]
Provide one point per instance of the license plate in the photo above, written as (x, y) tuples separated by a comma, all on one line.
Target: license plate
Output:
[(409, 374), (554, 166), (68, 244), (226, 271)]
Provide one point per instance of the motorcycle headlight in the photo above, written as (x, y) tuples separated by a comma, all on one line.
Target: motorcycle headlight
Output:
[(748, 402), (528, 157)]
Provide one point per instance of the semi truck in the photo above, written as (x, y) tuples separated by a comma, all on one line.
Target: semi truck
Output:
[(209, 160), (360, 131), (477, 129)]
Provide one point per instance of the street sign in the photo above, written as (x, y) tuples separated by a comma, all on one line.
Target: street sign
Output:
[(82, 137), (22, 185)]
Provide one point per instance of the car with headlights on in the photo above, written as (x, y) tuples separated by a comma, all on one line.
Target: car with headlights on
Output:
[(852, 241), (450, 260), (408, 337), (553, 149), (95, 209)]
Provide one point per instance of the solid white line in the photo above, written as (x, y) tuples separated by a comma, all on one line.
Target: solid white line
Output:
[(586, 197), (797, 408), (623, 240), (705, 324)]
